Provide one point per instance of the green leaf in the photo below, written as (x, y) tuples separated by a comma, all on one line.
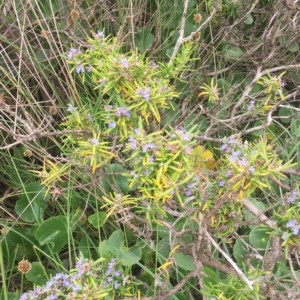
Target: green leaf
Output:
[(115, 179), (33, 202), (294, 48), (184, 261), (130, 256), (143, 40), (37, 274), (18, 243), (285, 114), (97, 219), (249, 19), (234, 52), (259, 237), (248, 215), (163, 250), (53, 231), (104, 249), (115, 241)]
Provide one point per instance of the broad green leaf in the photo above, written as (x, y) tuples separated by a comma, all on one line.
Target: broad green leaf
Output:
[(115, 179), (53, 231), (259, 237), (130, 256), (163, 250), (285, 114), (240, 250), (104, 249), (37, 274), (33, 202), (97, 219), (248, 215), (234, 52), (249, 19), (143, 40), (115, 241), (294, 48), (18, 243), (184, 261)]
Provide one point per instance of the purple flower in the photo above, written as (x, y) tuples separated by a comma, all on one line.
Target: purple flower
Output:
[(183, 134), (99, 35), (109, 279), (52, 297), (244, 162), (103, 81), (122, 111), (221, 182), (80, 69), (112, 124), (251, 169), (144, 93), (90, 117), (295, 230), (231, 141), (116, 285), (71, 108), (293, 225), (24, 296), (125, 63), (137, 131), (251, 105), (233, 158), (133, 142), (228, 174), (89, 68), (117, 273), (189, 190), (148, 146), (188, 150), (293, 196), (75, 287), (72, 52), (151, 158), (94, 142)]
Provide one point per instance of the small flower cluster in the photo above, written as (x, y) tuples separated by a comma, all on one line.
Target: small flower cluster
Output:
[(293, 196), (164, 153), (79, 282), (144, 93), (117, 118), (236, 155), (293, 225)]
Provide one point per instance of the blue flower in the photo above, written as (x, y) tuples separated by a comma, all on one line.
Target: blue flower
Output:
[(293, 196), (144, 93), (293, 225), (122, 111), (251, 169), (99, 35), (72, 52), (221, 182), (251, 105), (94, 142), (148, 146), (244, 162), (125, 63), (116, 285), (71, 108), (133, 142), (112, 124), (80, 69)]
